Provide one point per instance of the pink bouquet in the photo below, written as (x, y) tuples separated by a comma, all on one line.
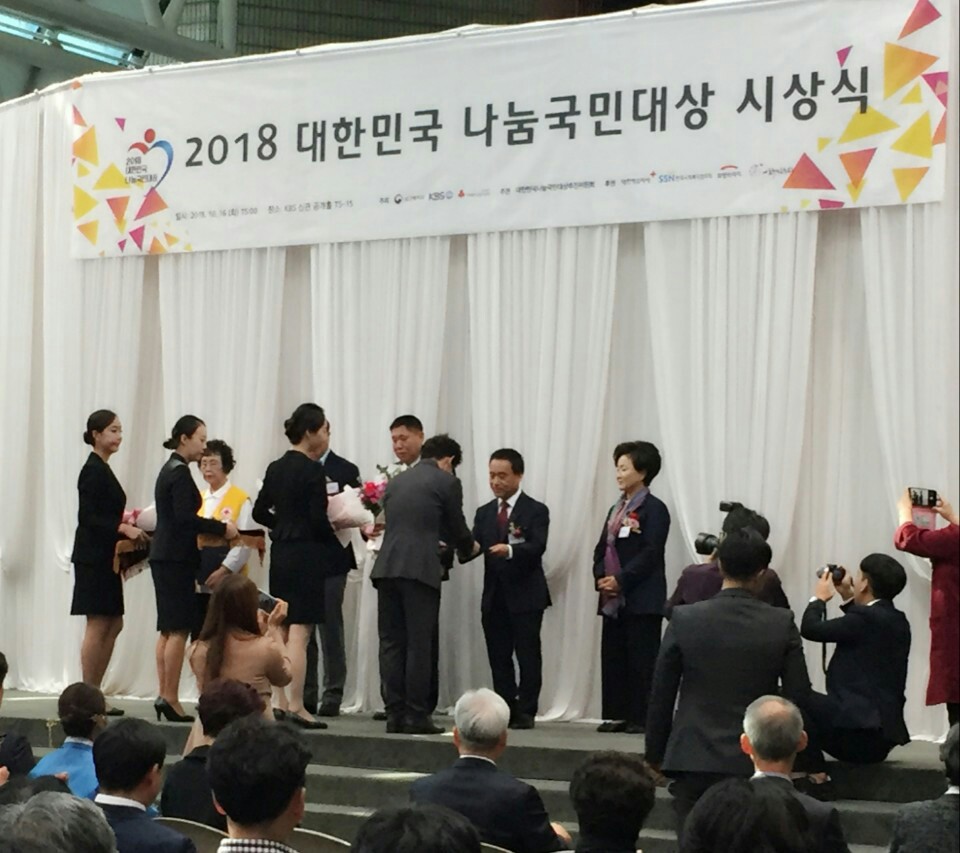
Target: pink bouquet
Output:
[(371, 493)]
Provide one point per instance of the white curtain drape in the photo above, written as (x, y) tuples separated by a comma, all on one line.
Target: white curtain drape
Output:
[(805, 364)]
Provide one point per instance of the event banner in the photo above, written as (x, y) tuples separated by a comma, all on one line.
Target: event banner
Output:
[(719, 108)]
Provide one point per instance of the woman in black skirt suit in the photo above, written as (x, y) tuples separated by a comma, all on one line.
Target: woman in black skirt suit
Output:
[(175, 557), (304, 549), (98, 590)]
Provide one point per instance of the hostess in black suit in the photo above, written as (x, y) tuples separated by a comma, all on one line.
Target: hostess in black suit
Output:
[(137, 832), (174, 555), (515, 590), (304, 549), (632, 620), (97, 590), (339, 473), (823, 818), (861, 718), (506, 812)]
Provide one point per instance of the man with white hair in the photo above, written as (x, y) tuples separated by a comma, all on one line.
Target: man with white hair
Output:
[(505, 811), (55, 821), (772, 736)]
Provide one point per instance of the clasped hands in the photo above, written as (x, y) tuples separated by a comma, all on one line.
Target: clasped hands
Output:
[(609, 586)]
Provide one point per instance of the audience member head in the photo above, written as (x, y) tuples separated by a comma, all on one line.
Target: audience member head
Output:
[(188, 438), (773, 733), (637, 463), (224, 700), (128, 758), (481, 718), (257, 772), (506, 472), (742, 516), (303, 428), (445, 450), (612, 794), (82, 710), (232, 609), (736, 816), (950, 754), (54, 822), (22, 788), (743, 555), (880, 577), (104, 432), (216, 463), (4, 669), (406, 435), (417, 829)]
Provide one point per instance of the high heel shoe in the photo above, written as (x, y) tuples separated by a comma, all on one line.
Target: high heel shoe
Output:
[(304, 723), (164, 708)]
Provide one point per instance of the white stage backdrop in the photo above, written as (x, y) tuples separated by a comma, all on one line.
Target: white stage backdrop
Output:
[(804, 363), (669, 113)]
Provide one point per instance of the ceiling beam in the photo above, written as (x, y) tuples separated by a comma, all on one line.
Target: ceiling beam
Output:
[(125, 32), (46, 56)]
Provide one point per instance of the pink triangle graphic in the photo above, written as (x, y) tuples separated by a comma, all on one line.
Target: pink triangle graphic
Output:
[(137, 236), (122, 244), (827, 204), (843, 54), (121, 122), (923, 13), (938, 82)]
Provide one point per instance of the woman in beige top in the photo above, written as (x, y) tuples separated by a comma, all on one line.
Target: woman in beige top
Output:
[(241, 642)]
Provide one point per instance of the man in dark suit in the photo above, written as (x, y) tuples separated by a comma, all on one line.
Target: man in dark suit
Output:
[(772, 736), (505, 811), (129, 760), (933, 826), (720, 655), (340, 473), (418, 504), (512, 532), (860, 719), (16, 754)]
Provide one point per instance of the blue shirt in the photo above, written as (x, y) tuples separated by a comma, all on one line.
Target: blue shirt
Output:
[(75, 758)]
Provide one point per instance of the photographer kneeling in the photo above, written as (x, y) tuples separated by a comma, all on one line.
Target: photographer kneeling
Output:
[(861, 718)]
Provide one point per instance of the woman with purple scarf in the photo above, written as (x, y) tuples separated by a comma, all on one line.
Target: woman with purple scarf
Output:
[(628, 570)]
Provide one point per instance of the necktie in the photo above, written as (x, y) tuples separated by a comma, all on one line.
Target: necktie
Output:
[(502, 520)]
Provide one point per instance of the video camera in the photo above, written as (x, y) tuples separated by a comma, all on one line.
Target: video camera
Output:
[(836, 572), (706, 543)]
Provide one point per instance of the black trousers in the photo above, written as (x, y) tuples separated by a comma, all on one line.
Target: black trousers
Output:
[(334, 650), (856, 746), (508, 634), (629, 646), (407, 620), (686, 789)]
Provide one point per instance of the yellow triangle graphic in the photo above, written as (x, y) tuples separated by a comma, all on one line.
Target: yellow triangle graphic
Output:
[(171, 240), (805, 203), (83, 203), (121, 225), (89, 230), (784, 208), (918, 139), (823, 142), (189, 247), (111, 179), (913, 96), (156, 247), (866, 124), (85, 148), (908, 179), (856, 189), (901, 65), (82, 171)]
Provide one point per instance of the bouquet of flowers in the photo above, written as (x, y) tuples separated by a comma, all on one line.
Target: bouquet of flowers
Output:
[(371, 493)]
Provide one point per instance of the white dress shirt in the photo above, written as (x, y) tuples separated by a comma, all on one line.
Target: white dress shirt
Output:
[(511, 503), (110, 800)]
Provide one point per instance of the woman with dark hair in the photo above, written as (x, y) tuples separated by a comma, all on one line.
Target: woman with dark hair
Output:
[(628, 572), (175, 558), (304, 549), (98, 589)]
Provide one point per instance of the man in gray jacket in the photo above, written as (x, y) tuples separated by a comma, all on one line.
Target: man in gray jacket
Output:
[(933, 826), (418, 504)]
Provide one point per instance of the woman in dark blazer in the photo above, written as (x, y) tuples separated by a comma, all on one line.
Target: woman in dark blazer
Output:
[(175, 557), (304, 549), (97, 589), (628, 571)]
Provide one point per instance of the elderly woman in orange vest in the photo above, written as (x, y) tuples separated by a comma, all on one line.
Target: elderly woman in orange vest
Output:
[(225, 502)]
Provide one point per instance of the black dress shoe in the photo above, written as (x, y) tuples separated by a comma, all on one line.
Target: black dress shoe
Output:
[(329, 711), (612, 726), (380, 716), (634, 729), (422, 726), (303, 723), (279, 714), (395, 725), (522, 721), (114, 712)]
